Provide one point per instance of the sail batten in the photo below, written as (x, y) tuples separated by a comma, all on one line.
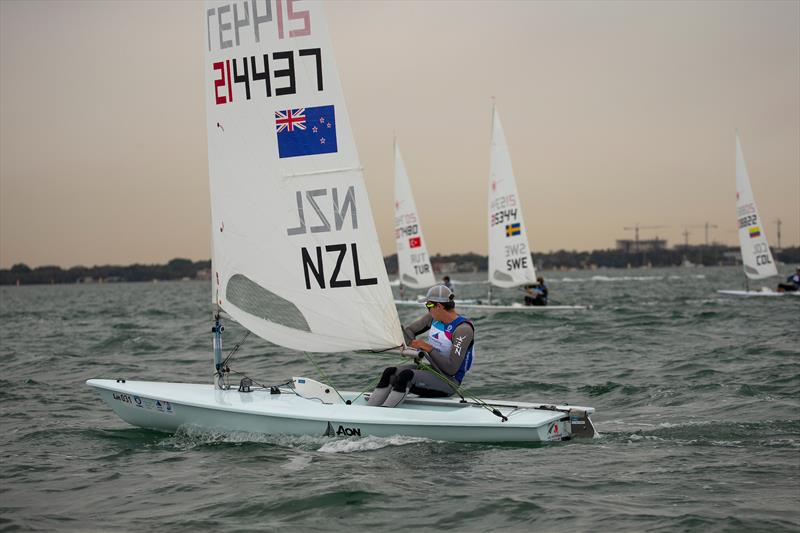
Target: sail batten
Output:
[(510, 263), (413, 261), (757, 258), (296, 258), (319, 172)]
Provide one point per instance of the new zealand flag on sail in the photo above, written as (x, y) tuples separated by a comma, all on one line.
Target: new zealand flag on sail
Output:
[(306, 131)]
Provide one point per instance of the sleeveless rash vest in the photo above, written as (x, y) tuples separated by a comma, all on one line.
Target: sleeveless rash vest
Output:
[(440, 336)]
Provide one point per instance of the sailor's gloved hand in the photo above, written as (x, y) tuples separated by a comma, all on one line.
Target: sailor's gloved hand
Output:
[(421, 345)]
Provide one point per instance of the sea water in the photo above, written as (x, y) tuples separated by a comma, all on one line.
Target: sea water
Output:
[(697, 399)]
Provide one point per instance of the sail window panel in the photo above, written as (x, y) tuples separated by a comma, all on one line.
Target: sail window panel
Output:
[(502, 276), (252, 298)]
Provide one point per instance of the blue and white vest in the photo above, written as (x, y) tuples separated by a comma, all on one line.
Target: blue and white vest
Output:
[(440, 336)]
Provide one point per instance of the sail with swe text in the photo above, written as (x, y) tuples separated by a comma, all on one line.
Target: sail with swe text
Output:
[(510, 263)]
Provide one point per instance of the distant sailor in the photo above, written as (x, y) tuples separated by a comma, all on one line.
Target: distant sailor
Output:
[(536, 294), (446, 283), (792, 283), (449, 350)]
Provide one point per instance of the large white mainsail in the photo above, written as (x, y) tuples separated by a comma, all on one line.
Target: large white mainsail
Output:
[(413, 262), (510, 263), (295, 252), (756, 256)]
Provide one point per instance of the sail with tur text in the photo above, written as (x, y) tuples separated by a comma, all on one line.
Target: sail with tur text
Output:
[(296, 257), (413, 262)]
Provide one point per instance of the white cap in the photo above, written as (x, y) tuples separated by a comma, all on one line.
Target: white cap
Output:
[(439, 294)]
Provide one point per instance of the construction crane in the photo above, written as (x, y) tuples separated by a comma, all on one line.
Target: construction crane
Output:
[(636, 229), (706, 226)]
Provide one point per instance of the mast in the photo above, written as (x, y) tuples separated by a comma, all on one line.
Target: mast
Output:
[(219, 373), (399, 268), (489, 267)]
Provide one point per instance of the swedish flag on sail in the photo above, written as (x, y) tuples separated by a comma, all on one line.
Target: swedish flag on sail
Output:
[(513, 229)]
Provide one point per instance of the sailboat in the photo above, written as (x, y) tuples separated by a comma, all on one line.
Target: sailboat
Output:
[(510, 263), (413, 262), (296, 258), (757, 259)]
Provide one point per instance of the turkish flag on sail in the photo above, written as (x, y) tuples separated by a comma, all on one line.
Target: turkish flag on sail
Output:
[(414, 242)]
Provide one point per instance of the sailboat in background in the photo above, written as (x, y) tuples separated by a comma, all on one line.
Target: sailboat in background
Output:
[(413, 261), (510, 262), (757, 258), (296, 257)]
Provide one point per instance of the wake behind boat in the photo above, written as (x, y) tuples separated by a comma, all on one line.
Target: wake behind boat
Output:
[(765, 292), (296, 258), (518, 307)]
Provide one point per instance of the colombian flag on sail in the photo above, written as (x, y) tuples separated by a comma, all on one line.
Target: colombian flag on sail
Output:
[(513, 229), (755, 231)]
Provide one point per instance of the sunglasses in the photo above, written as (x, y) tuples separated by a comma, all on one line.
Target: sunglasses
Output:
[(430, 305)]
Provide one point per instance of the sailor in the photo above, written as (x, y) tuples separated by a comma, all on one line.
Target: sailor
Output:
[(446, 283), (792, 283), (536, 294), (449, 350)]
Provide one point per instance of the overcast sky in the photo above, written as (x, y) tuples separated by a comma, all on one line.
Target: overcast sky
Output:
[(616, 113)]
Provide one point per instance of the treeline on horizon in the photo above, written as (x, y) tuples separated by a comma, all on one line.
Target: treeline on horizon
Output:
[(177, 269), (185, 269)]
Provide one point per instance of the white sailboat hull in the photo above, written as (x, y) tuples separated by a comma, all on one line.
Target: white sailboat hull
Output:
[(420, 302), (169, 406), (518, 307), (410, 303), (753, 294), (475, 305)]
